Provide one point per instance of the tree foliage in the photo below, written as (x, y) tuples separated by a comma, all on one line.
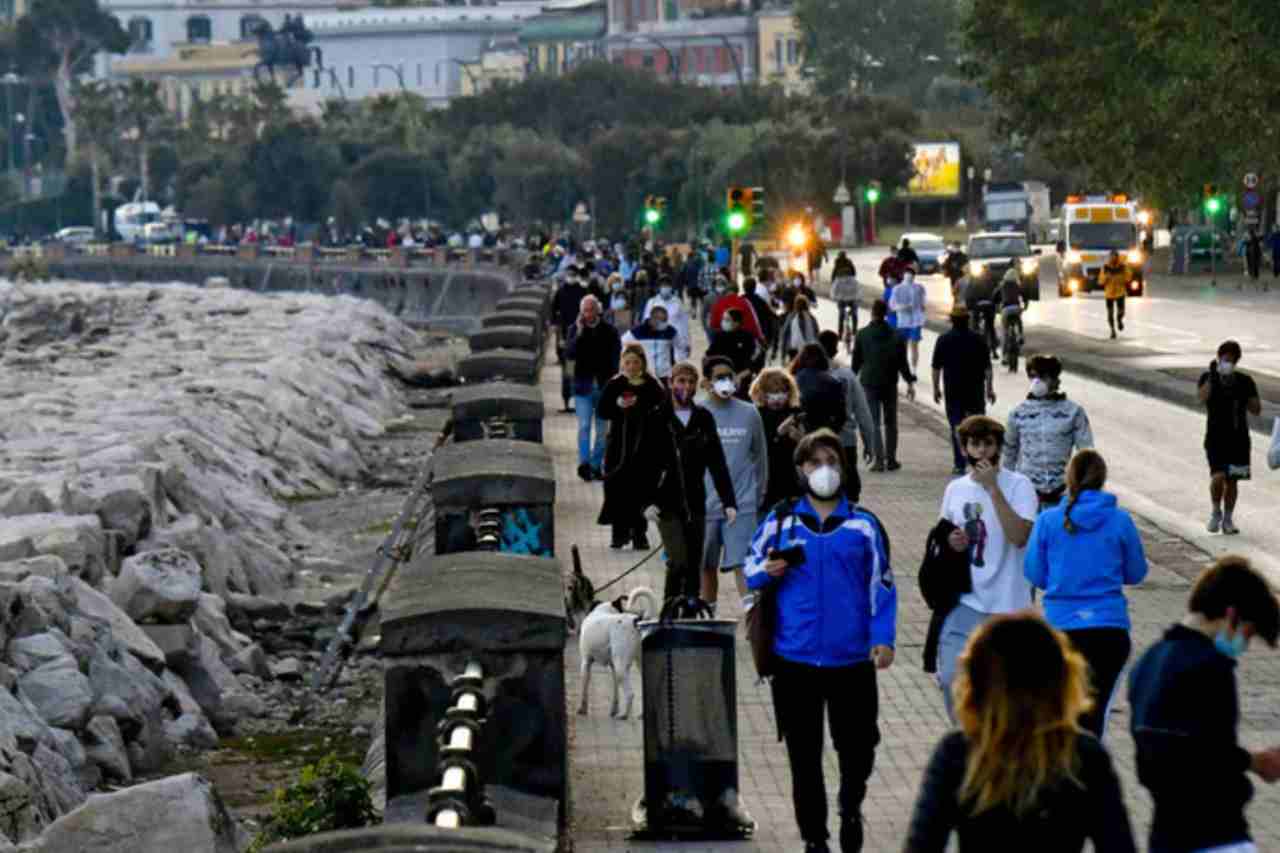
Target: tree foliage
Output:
[(1155, 98)]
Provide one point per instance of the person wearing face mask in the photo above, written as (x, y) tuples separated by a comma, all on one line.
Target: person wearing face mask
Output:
[(757, 293), (777, 399), (993, 510), (594, 347), (797, 330), (746, 454), (730, 299), (683, 448), (1229, 397), (1185, 713), (628, 403), (1082, 554), (667, 299), (908, 304), (658, 340), (826, 562), (1044, 430), (618, 313), (801, 288), (736, 344)]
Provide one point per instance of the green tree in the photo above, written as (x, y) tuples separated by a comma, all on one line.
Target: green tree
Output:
[(97, 112), (141, 110), (866, 44), (59, 38)]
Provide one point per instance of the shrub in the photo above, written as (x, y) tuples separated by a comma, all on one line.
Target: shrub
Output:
[(28, 268), (328, 795)]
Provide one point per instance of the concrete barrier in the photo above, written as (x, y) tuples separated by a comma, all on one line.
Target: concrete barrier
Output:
[(510, 364), (402, 838), (498, 489), (519, 337), (530, 319), (480, 409)]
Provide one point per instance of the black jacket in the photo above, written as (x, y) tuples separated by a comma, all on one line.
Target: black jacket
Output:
[(681, 455), (627, 472), (1184, 706), (595, 351), (880, 356), (944, 578), (1065, 815), (567, 301), (784, 482), (738, 346), (822, 397), (843, 267)]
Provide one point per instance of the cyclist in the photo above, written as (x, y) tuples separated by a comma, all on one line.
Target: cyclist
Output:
[(1012, 302), (955, 267)]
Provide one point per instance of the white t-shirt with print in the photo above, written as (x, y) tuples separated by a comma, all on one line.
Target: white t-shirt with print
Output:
[(995, 564)]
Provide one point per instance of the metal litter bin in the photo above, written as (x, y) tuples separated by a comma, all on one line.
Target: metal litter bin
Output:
[(690, 732)]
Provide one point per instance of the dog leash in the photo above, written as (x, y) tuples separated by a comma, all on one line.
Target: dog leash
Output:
[(644, 560)]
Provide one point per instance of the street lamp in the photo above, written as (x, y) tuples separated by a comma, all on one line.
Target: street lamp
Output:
[(475, 84), (671, 57), (394, 69), (10, 80)]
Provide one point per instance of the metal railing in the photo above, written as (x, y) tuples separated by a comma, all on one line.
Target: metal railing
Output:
[(459, 799)]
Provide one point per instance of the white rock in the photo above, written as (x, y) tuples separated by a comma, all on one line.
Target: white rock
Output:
[(77, 539), (104, 746), (130, 503), (158, 586), (93, 604), (27, 653), (194, 821), (59, 691), (210, 619), (251, 660)]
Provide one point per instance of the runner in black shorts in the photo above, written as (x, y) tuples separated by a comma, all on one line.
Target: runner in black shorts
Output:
[(1230, 397)]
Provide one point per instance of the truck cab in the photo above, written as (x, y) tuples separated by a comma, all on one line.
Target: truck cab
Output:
[(1092, 228)]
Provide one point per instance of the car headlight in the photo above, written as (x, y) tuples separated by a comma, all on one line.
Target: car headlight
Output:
[(1134, 256), (976, 267), (1074, 257), (1030, 265), (1073, 285)]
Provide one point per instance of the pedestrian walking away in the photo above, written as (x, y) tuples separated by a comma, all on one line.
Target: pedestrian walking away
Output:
[(857, 420), (993, 509), (1114, 278), (746, 454), (1229, 397), (1019, 774), (1044, 430), (684, 446), (593, 346), (844, 291), (879, 358), (565, 307), (823, 564), (822, 397), (962, 377), (629, 402), (1082, 554), (1185, 712)]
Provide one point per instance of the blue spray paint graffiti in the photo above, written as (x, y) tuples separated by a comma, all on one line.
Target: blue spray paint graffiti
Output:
[(522, 535)]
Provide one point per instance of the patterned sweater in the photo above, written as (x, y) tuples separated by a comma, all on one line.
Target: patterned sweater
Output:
[(1041, 436)]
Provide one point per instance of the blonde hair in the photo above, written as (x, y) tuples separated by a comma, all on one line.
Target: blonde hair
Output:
[(1019, 691), (685, 367), (772, 377), (638, 351), (1086, 470)]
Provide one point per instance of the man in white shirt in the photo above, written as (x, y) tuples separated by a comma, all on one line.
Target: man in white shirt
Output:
[(908, 302), (677, 317), (994, 509)]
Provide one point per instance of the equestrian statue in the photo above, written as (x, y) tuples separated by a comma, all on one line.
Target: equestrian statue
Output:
[(289, 46)]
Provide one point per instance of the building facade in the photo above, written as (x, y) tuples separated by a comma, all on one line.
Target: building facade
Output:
[(781, 48), (195, 72), (716, 51), (567, 33)]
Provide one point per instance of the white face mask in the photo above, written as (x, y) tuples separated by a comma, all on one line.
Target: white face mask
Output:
[(1226, 366), (720, 288), (824, 481), (728, 325), (660, 325), (723, 387), (776, 398), (617, 287), (1039, 387), (665, 292)]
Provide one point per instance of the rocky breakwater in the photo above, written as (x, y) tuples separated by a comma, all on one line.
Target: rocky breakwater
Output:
[(152, 440)]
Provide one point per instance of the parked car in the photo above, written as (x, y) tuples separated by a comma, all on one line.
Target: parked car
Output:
[(74, 235), (930, 248)]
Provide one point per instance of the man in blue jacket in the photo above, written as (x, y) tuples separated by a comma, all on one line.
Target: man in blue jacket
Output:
[(828, 563)]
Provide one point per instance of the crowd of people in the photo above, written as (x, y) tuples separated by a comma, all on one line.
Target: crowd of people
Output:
[(747, 461)]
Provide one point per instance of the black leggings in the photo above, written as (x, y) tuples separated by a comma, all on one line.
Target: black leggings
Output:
[(1106, 650), (1115, 311)]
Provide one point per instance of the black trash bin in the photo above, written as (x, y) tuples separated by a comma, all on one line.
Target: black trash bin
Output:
[(690, 732)]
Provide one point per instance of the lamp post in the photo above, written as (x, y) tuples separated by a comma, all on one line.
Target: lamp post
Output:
[(475, 84), (394, 69), (671, 57), (10, 80), (733, 55)]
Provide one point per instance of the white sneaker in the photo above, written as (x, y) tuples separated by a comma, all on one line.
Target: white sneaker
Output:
[(1215, 520), (1228, 527)]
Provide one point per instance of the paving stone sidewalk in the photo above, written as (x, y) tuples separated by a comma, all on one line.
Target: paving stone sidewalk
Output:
[(607, 755)]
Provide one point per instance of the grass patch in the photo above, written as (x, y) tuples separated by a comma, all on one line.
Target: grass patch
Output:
[(296, 748), (305, 497)]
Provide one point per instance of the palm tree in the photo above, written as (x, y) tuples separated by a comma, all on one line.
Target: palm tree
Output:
[(141, 109), (97, 112)]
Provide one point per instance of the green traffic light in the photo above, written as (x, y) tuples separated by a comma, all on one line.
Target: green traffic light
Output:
[(652, 216), (1213, 205), (873, 195), (737, 221)]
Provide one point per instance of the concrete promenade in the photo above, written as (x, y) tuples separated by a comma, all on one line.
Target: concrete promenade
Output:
[(606, 754)]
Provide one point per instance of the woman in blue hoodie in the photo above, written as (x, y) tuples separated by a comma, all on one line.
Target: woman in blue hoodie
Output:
[(1082, 553)]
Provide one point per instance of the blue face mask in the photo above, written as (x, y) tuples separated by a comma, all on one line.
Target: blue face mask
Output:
[(1233, 646)]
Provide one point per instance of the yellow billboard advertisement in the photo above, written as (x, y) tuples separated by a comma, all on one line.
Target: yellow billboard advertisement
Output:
[(935, 171)]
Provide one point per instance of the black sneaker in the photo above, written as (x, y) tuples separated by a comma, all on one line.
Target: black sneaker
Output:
[(816, 847), (584, 472), (617, 544), (893, 465), (851, 834), (597, 474)]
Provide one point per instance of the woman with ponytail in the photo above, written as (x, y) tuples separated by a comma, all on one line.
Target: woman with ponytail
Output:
[(1082, 553), (1020, 774)]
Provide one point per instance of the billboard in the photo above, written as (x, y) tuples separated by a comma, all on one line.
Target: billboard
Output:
[(935, 171)]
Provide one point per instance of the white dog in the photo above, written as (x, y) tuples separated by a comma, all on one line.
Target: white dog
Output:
[(610, 634)]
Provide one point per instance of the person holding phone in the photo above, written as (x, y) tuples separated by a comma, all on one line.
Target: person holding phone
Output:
[(827, 561)]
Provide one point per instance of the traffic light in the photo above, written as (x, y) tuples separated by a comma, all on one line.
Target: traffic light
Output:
[(757, 205), (1213, 205), (654, 206), (872, 194), (738, 210)]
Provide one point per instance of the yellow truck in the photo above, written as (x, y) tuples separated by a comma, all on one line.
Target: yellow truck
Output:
[(1092, 228)]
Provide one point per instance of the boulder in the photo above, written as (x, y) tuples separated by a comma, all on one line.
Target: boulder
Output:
[(59, 780), (158, 586), (78, 539), (178, 642), (130, 503), (19, 815), (289, 669), (253, 607), (192, 727), (209, 679), (27, 653), (21, 728), (124, 689), (48, 566), (93, 604), (214, 549), (67, 745), (23, 499), (104, 746), (210, 619), (59, 691), (194, 821), (251, 660), (37, 604)]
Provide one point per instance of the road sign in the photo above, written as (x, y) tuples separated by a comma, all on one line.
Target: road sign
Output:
[(580, 213), (1251, 180), (842, 194), (1251, 200)]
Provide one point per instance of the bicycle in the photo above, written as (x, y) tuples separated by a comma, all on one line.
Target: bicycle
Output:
[(1011, 316)]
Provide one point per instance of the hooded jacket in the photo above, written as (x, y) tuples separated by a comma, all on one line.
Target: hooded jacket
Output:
[(1114, 280), (660, 347), (840, 602), (1042, 434), (1083, 573)]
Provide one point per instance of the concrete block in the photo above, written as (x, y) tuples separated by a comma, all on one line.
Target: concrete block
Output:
[(510, 364), (519, 337)]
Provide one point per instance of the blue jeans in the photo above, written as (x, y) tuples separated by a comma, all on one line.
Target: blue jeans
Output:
[(584, 406), (959, 624)]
